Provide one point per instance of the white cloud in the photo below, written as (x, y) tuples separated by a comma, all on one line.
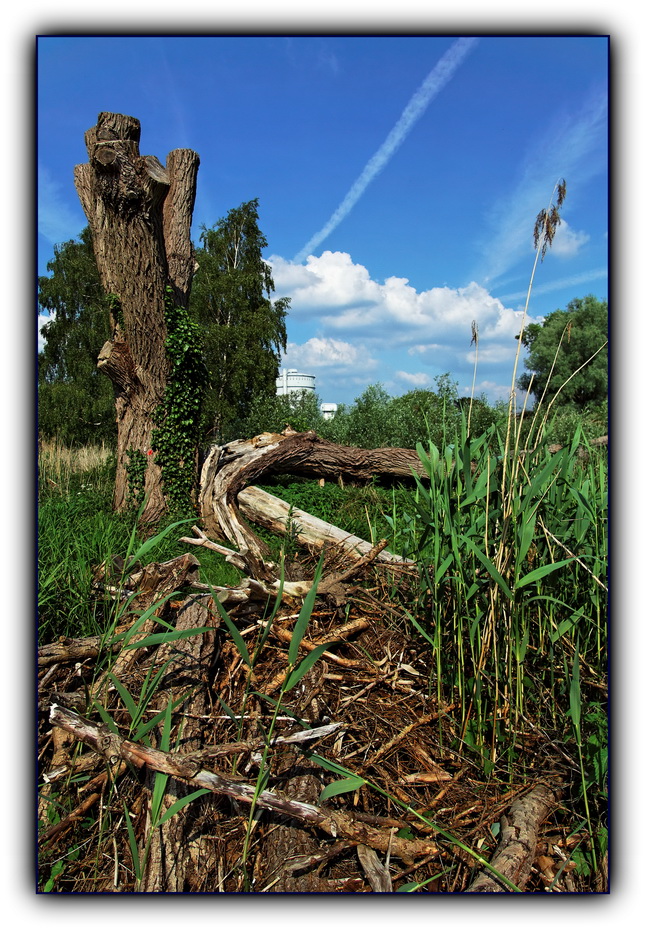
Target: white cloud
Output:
[(494, 354), (495, 391), (340, 367), (567, 243), (327, 353), (417, 379), (369, 331), (42, 320), (331, 281), (343, 298)]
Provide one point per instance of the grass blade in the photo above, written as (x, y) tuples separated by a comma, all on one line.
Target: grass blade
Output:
[(303, 667), (154, 639), (541, 572), (134, 849), (180, 803), (149, 544), (233, 630), (488, 565), (304, 615), (344, 786)]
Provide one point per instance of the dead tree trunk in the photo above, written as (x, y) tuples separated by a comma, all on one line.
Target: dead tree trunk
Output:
[(276, 515), (231, 468), (139, 214)]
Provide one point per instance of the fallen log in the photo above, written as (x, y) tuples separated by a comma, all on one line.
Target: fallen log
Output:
[(74, 650), (518, 842), (229, 469), (276, 515), (335, 823)]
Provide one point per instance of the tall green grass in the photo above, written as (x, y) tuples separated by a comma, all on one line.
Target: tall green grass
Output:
[(514, 577), (78, 531)]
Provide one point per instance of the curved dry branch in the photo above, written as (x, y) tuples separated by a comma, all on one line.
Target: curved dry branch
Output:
[(334, 823)]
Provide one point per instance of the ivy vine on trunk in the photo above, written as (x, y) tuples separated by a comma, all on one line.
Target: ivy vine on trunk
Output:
[(178, 417)]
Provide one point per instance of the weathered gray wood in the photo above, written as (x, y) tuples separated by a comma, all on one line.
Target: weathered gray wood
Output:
[(229, 469), (276, 515)]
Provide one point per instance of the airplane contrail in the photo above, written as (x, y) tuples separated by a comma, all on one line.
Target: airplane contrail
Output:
[(434, 82)]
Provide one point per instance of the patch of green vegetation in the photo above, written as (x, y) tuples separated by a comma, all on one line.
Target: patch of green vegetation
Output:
[(78, 533)]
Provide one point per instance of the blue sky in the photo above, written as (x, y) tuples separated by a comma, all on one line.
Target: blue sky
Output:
[(398, 179)]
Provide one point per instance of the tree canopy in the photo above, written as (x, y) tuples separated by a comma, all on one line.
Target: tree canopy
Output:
[(76, 402), (244, 331), (375, 419), (568, 340)]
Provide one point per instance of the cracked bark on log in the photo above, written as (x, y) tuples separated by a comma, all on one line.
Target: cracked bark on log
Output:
[(518, 841)]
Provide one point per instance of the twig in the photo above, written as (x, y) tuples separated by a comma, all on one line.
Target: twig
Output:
[(232, 557), (427, 718), (227, 749)]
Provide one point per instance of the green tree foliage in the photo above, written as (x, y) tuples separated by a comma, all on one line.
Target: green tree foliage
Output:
[(75, 401), (244, 330), (378, 420), (570, 337), (375, 418), (271, 413)]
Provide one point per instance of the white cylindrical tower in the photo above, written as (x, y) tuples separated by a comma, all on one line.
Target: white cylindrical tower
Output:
[(292, 381)]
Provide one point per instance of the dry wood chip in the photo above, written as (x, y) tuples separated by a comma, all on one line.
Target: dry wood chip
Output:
[(377, 875)]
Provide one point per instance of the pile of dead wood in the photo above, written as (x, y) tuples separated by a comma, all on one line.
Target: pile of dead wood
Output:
[(364, 707)]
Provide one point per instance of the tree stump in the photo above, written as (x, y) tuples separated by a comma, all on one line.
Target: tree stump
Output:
[(139, 214)]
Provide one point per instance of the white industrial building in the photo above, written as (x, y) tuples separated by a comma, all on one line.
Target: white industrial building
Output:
[(328, 411), (292, 381)]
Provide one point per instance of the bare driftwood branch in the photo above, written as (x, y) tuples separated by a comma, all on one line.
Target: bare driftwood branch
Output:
[(377, 874), (251, 589), (72, 650), (230, 556), (518, 841), (334, 823), (250, 745), (276, 515)]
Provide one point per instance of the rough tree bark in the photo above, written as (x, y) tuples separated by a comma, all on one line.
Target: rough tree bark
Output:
[(139, 214)]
